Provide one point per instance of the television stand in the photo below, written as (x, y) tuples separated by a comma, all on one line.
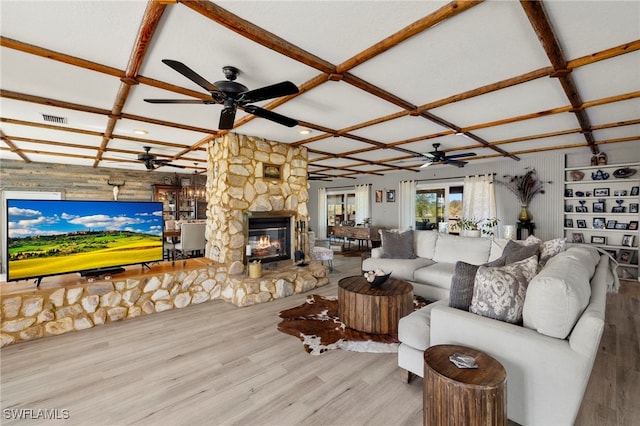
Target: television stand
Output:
[(102, 271)]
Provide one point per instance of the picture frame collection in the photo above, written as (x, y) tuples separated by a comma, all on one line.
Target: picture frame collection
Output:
[(388, 195)]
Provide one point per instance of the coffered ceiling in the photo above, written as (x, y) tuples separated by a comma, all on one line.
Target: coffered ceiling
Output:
[(379, 81)]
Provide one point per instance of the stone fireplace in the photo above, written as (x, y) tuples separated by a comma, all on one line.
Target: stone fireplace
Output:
[(269, 236), (253, 181)]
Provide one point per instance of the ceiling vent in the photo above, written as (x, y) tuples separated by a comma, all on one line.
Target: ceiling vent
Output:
[(54, 119)]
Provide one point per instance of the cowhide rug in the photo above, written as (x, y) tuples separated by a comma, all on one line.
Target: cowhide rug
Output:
[(317, 325)]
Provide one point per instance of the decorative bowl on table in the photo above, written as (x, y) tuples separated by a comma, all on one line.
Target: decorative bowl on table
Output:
[(376, 278)]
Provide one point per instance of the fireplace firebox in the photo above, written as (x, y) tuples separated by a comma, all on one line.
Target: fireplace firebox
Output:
[(269, 237)]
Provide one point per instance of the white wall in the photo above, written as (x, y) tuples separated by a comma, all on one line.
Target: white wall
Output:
[(546, 209)]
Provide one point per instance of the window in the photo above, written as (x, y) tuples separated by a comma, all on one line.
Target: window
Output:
[(437, 203)]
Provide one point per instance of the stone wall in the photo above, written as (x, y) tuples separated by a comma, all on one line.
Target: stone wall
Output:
[(48, 312), (237, 184)]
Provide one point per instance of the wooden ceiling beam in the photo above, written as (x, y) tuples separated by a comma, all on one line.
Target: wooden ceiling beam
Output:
[(448, 11), (258, 35), (540, 22), (150, 21), (13, 148)]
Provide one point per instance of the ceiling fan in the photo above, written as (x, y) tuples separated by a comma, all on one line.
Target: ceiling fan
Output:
[(233, 95), (151, 162), (436, 156)]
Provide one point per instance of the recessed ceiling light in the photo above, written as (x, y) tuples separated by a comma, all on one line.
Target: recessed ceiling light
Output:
[(140, 132), (305, 131)]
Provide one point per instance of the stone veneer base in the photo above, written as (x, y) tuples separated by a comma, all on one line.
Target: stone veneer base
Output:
[(44, 312)]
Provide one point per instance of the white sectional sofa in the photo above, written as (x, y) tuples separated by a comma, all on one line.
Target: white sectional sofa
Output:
[(548, 354), (436, 254)]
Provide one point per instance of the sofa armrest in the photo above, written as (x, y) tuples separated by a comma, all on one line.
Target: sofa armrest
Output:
[(546, 377)]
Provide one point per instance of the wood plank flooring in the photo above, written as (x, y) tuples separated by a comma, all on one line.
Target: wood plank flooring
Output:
[(215, 363)]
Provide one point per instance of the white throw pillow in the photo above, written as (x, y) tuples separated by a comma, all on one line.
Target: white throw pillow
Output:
[(452, 248)]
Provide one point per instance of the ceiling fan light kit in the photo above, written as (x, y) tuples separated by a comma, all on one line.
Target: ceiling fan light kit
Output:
[(233, 95)]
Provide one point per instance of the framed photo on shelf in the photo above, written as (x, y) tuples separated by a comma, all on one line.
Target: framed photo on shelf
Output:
[(568, 208), (611, 224), (633, 225), (391, 195), (581, 209), (621, 225), (627, 240), (633, 208), (618, 209), (568, 223), (598, 207), (601, 192), (634, 190), (598, 223), (625, 256), (595, 239), (581, 223), (568, 192), (577, 237)]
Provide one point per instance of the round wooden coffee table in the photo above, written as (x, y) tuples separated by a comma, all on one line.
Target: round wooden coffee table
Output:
[(374, 309), (466, 396)]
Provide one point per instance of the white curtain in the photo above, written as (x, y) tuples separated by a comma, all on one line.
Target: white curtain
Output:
[(407, 204), (322, 214), (479, 197), (363, 203)]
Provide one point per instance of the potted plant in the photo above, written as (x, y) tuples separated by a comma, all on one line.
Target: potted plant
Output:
[(474, 227)]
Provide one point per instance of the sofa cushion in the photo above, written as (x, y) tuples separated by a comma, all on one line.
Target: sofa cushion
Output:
[(497, 247), (452, 248), (400, 268), (514, 252), (550, 248), (557, 296), (499, 292), (414, 329), (425, 243), (397, 245), (462, 282), (437, 275)]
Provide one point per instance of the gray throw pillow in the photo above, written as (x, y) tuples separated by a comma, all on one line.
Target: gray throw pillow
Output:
[(397, 245), (499, 292), (514, 252), (462, 282)]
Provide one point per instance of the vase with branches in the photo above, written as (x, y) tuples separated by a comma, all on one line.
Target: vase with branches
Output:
[(525, 187)]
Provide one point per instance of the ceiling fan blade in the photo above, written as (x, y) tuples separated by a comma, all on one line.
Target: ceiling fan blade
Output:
[(427, 164), (270, 115), (190, 74), (177, 166), (455, 162), (269, 92), (467, 154), (227, 118), (178, 101)]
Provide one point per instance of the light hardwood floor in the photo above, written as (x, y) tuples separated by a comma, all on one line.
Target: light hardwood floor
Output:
[(215, 363)]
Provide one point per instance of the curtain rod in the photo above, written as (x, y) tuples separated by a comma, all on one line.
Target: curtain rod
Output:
[(348, 186), (451, 178)]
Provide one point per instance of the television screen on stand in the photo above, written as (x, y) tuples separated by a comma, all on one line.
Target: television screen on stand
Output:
[(53, 237)]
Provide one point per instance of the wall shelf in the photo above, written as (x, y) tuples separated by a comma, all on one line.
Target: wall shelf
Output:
[(622, 244)]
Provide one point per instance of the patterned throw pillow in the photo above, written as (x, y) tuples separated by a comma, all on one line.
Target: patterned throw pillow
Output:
[(550, 248), (397, 245), (531, 240), (499, 292), (462, 282)]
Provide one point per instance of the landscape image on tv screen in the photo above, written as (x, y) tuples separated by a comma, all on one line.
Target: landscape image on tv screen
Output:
[(50, 237)]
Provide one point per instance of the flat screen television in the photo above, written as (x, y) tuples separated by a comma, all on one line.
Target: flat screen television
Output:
[(53, 237)]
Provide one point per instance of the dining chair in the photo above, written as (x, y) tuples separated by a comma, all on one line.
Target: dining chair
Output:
[(192, 239)]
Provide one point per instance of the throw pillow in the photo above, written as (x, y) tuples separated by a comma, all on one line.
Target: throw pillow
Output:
[(550, 248), (499, 292), (531, 240), (514, 252), (462, 282), (397, 245)]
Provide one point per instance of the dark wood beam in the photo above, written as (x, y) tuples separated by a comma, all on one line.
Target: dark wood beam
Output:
[(13, 148)]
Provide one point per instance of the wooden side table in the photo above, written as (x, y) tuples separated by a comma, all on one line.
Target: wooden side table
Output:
[(374, 309), (459, 396)]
